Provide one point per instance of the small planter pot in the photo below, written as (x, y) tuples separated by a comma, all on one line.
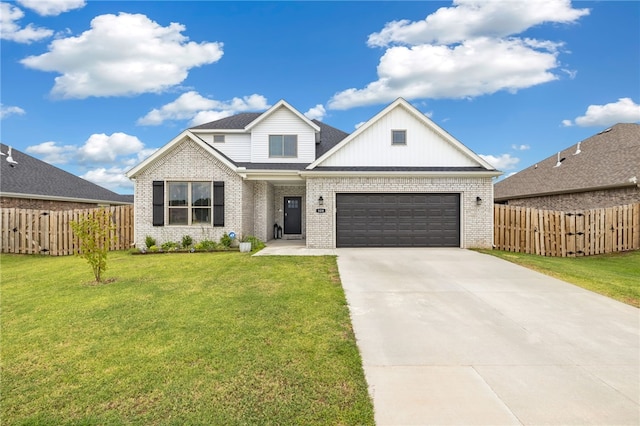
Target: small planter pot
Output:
[(245, 247)]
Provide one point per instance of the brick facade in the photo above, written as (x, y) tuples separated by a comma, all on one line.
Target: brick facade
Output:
[(188, 162), (476, 221), (581, 200), (253, 207)]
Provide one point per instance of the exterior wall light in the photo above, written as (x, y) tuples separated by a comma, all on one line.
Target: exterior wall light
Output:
[(321, 201), (478, 200)]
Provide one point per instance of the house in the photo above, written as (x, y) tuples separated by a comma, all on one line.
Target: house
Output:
[(600, 171), (398, 180), (29, 183)]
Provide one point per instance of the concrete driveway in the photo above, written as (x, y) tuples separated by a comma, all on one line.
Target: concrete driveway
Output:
[(454, 337)]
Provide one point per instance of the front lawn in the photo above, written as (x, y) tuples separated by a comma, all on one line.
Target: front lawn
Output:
[(616, 275), (202, 338)]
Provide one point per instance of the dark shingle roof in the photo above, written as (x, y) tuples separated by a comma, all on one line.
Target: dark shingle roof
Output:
[(34, 177), (235, 122), (329, 136), (398, 169), (608, 159), (273, 166)]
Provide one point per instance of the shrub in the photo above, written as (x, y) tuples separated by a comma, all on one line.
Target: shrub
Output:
[(149, 241), (256, 243), (153, 248), (225, 240), (207, 245), (94, 233), (187, 241), (169, 246)]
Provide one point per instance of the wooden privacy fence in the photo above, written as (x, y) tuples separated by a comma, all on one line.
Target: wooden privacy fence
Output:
[(566, 234), (49, 232)]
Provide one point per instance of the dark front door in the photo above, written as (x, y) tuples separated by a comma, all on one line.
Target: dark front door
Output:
[(293, 215)]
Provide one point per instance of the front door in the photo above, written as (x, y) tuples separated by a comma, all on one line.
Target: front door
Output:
[(293, 215)]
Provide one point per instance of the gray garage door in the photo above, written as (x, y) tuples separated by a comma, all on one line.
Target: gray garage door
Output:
[(398, 220)]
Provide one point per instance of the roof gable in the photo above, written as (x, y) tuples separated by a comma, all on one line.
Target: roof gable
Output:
[(608, 159), (281, 104), (42, 180), (428, 145), (174, 142)]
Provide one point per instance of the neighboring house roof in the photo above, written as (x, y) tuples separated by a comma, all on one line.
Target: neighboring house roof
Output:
[(609, 159), (33, 178)]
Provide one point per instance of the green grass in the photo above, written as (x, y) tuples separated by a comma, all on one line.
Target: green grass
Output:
[(203, 338), (615, 275)]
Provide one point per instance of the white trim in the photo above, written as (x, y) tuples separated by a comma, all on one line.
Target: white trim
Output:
[(282, 104), (61, 198), (176, 141), (400, 102), (315, 173)]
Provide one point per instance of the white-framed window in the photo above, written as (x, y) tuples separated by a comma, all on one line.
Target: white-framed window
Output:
[(218, 138), (284, 146), (398, 137), (189, 203)]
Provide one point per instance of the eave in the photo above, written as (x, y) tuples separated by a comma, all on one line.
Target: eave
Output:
[(429, 174)]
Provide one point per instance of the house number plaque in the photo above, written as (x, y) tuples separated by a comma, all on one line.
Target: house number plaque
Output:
[(321, 210)]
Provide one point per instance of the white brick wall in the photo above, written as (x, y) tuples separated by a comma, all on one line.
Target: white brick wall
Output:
[(188, 162), (476, 222)]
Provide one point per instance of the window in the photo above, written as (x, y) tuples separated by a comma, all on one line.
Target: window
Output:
[(218, 138), (189, 203), (398, 137), (283, 146)]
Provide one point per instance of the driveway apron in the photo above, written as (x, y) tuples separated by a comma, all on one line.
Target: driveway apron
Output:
[(455, 337)]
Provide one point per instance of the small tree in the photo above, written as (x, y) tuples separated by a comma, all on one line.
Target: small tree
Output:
[(94, 233)]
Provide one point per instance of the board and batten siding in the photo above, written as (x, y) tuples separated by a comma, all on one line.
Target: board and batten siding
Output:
[(235, 146), (424, 147), (283, 122)]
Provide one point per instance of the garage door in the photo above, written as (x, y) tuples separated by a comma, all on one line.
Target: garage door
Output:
[(398, 220)]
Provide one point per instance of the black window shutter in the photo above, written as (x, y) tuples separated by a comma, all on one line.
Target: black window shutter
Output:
[(218, 203), (158, 203)]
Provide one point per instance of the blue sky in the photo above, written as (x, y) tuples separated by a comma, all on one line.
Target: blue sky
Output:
[(94, 87)]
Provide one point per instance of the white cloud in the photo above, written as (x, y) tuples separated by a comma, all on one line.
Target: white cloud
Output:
[(358, 125), (112, 178), (7, 110), (521, 147), (193, 106), (476, 18), (124, 54), (316, 113), (52, 7), (100, 148), (501, 162), (462, 51), (10, 30), (625, 110), (52, 153), (476, 67)]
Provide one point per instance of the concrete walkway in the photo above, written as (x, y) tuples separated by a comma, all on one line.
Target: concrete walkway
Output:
[(454, 337)]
